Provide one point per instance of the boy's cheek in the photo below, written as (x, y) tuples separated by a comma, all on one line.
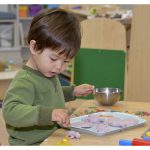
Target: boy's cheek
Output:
[(63, 68)]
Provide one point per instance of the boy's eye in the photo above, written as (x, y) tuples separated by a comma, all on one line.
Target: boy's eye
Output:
[(53, 59), (66, 61)]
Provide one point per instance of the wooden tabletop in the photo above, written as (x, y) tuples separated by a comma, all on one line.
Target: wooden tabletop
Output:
[(87, 106)]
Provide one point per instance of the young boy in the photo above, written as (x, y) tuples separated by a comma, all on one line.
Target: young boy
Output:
[(34, 104)]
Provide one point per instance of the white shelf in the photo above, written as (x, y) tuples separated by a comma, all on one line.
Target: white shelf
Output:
[(8, 21), (8, 49), (8, 75)]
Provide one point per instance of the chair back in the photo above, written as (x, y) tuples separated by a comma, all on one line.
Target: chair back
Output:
[(102, 57)]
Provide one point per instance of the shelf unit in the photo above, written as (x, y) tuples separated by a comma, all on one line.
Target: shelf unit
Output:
[(11, 49), (15, 39), (20, 30)]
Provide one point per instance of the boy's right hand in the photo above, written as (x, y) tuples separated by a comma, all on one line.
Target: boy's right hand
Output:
[(61, 117)]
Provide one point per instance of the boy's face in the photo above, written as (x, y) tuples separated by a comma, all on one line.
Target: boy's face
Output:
[(49, 62)]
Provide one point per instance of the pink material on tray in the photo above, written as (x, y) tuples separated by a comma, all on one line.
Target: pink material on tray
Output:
[(73, 135)]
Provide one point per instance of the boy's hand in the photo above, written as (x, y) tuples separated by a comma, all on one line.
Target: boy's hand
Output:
[(61, 117), (83, 90)]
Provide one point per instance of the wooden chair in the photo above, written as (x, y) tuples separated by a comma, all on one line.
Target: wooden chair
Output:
[(138, 75), (103, 33), (101, 59)]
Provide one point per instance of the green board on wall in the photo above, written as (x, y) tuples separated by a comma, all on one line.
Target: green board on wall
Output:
[(100, 67)]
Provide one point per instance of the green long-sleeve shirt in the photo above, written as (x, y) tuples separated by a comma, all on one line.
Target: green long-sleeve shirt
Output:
[(28, 105)]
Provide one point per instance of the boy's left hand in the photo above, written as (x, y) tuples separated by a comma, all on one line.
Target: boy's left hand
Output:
[(83, 90)]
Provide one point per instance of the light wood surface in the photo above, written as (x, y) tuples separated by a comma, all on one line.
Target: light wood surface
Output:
[(3, 132), (112, 139), (103, 33), (4, 84), (5, 79), (138, 77)]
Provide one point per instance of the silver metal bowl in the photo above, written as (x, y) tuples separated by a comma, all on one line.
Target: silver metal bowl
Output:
[(107, 96)]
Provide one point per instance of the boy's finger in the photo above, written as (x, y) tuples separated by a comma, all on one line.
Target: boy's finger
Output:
[(67, 123), (65, 117)]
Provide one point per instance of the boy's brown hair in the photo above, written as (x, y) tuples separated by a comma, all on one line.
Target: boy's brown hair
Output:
[(56, 29)]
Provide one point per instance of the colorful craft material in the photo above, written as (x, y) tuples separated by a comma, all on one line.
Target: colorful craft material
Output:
[(134, 142)]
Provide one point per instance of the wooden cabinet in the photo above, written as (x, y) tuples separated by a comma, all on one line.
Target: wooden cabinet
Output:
[(5, 79), (138, 81)]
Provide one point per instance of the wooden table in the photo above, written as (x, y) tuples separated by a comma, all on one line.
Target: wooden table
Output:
[(111, 139)]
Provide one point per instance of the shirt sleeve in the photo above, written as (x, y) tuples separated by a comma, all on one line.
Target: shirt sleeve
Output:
[(19, 109), (68, 93)]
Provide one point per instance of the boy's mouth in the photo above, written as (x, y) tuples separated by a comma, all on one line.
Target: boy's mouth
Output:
[(52, 73)]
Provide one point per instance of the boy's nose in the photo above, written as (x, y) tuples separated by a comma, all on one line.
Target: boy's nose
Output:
[(58, 67)]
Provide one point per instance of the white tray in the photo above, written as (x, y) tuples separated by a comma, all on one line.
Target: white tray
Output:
[(120, 115)]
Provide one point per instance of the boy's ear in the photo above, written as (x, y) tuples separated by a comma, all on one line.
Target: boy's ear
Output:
[(32, 46)]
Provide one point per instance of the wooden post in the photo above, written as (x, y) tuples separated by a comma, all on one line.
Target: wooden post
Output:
[(138, 74)]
